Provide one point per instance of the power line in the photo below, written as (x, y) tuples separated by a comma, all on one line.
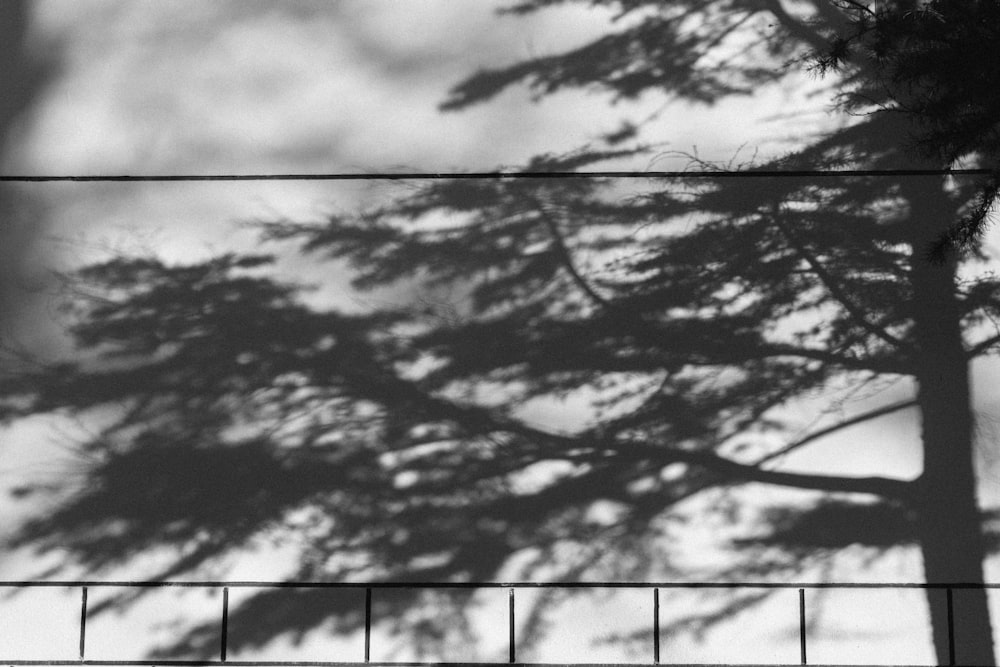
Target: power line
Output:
[(496, 175)]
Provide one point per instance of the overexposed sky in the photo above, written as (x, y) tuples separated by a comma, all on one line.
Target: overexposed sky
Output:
[(171, 86), (304, 86)]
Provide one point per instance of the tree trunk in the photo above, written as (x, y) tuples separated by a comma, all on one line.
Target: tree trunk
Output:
[(947, 512)]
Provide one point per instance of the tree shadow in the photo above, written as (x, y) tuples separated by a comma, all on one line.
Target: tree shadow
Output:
[(24, 72), (398, 445)]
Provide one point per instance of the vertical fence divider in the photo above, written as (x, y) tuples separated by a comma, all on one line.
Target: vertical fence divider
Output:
[(951, 627), (802, 625), (510, 622), (368, 624), (83, 622), (224, 640), (656, 626)]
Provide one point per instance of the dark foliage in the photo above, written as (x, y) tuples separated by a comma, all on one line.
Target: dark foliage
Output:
[(935, 63)]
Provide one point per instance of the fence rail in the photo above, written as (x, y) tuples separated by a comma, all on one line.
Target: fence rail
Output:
[(511, 587)]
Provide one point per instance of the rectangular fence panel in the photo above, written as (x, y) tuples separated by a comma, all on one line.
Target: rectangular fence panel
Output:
[(425, 623)]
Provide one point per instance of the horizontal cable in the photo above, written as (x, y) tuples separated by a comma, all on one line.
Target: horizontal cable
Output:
[(488, 584), (499, 175)]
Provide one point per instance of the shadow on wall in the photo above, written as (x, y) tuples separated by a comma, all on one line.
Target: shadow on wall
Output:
[(393, 445), (22, 74)]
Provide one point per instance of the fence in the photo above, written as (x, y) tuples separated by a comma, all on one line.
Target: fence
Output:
[(511, 587)]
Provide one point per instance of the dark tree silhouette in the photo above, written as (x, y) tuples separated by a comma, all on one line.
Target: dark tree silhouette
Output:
[(917, 60), (684, 316)]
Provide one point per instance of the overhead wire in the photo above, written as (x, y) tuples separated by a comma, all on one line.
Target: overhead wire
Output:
[(499, 175)]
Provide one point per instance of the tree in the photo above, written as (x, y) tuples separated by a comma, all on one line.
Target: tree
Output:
[(683, 316), (916, 61)]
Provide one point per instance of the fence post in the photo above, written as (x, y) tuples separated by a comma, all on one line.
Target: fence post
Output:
[(368, 624), (225, 624), (83, 622), (656, 626), (951, 627), (510, 615), (802, 625)]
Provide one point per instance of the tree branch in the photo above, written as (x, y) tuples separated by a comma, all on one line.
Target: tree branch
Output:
[(733, 470), (835, 290), (829, 430), (566, 257), (648, 328), (880, 486), (817, 354), (710, 483), (982, 347), (391, 390), (794, 26), (852, 3)]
